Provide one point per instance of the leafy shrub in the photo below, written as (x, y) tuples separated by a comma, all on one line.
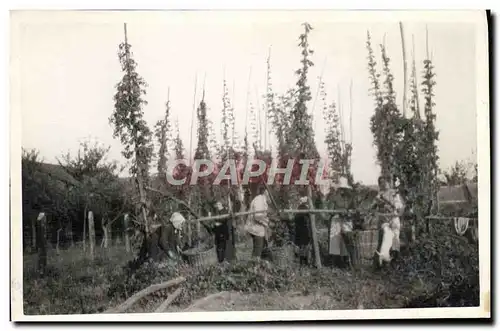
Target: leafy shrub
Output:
[(450, 264)]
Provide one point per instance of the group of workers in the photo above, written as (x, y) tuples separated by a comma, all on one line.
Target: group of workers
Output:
[(257, 225)]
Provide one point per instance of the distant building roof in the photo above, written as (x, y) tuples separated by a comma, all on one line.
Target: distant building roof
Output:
[(457, 193), (451, 194)]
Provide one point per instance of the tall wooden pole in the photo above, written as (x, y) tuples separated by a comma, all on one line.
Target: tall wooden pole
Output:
[(427, 42), (405, 69), (193, 115), (350, 114), (313, 111), (259, 121), (341, 121), (314, 235), (140, 165), (41, 242), (247, 106), (268, 84), (125, 234), (84, 241), (415, 80)]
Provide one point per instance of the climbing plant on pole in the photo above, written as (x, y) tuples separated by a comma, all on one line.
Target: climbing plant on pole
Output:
[(301, 136), (130, 126), (162, 134), (430, 134)]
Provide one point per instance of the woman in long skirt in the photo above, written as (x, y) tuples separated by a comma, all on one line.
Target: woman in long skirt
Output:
[(338, 224)]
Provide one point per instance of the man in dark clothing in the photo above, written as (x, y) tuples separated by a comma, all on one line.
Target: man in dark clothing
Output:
[(163, 242), (224, 235), (303, 232)]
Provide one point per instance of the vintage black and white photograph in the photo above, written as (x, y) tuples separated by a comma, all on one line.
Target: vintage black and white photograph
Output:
[(300, 165)]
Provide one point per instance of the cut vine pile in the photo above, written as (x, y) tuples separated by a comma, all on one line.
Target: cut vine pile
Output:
[(450, 264), (439, 271), (258, 277)]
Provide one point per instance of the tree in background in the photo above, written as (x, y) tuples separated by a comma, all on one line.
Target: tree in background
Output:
[(99, 189), (130, 126), (37, 194), (461, 172)]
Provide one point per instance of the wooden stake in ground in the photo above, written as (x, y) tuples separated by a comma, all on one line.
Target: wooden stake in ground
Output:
[(71, 234), (33, 231), (58, 239), (188, 225), (85, 229), (41, 242), (313, 230), (125, 234), (105, 231), (91, 234)]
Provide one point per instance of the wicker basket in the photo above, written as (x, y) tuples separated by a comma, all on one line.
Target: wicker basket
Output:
[(200, 258), (361, 246)]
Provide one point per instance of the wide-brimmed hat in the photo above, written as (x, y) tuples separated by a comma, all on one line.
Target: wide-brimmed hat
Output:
[(343, 183)]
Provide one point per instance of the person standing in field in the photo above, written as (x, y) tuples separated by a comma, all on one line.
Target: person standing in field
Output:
[(390, 202), (303, 232), (224, 235), (258, 223), (340, 223)]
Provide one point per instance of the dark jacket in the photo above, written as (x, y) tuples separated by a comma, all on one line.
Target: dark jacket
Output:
[(302, 227)]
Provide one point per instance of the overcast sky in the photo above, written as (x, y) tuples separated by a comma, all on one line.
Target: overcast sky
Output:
[(68, 68)]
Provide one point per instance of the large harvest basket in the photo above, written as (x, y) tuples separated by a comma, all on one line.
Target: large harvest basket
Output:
[(361, 246), (201, 258)]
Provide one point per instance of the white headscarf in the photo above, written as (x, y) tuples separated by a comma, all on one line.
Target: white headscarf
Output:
[(177, 220)]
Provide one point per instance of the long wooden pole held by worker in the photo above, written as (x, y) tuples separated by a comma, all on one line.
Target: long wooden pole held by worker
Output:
[(265, 184), (313, 230)]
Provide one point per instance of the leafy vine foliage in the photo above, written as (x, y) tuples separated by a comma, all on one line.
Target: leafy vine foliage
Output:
[(127, 119), (162, 134), (301, 135), (406, 147), (130, 126)]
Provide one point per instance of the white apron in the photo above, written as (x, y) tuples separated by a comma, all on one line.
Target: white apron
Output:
[(336, 242)]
